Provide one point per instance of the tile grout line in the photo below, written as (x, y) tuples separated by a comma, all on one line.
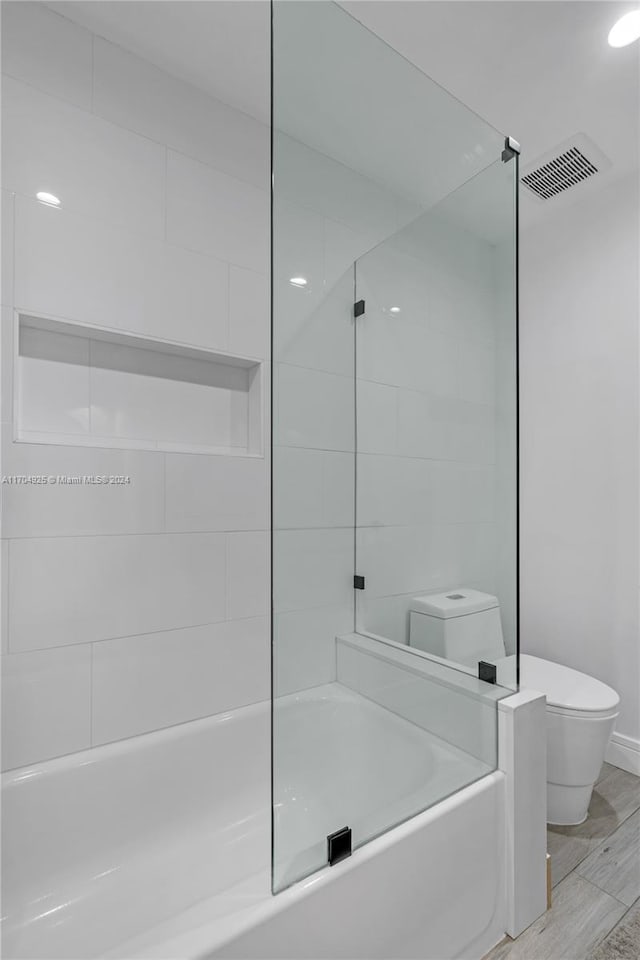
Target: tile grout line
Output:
[(163, 482), (604, 840), (165, 194), (91, 110), (7, 616), (135, 132), (599, 889), (227, 551), (147, 633), (91, 695), (228, 336)]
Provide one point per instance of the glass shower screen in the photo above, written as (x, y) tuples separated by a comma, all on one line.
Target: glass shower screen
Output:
[(393, 438)]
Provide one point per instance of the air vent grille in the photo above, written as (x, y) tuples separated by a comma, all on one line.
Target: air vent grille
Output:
[(564, 171)]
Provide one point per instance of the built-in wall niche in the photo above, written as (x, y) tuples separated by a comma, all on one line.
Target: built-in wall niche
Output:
[(83, 385)]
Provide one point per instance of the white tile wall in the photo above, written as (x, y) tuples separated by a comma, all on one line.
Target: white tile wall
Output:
[(94, 167), (310, 179), (315, 324), (463, 492), (298, 494), (213, 213), (343, 245), (94, 588), (247, 580), (7, 201), (150, 287), (442, 428), (170, 677), (314, 409), (138, 96), (162, 582), (477, 372), (377, 418), (411, 559), (6, 361), (215, 493), (47, 51), (403, 562), (4, 596), (249, 315), (46, 704), (394, 491), (314, 569), (64, 510), (305, 646), (315, 488)]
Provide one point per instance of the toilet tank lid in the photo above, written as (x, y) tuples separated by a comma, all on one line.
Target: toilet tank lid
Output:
[(453, 603)]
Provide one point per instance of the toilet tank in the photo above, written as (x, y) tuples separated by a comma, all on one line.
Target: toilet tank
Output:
[(460, 625)]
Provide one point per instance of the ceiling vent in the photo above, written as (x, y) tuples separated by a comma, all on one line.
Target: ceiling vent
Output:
[(572, 164)]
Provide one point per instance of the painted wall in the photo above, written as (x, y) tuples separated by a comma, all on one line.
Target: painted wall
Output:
[(136, 607), (579, 440)]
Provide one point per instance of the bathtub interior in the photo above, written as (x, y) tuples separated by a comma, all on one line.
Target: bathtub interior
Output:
[(385, 741)]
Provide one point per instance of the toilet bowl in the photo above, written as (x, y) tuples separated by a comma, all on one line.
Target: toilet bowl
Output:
[(464, 626)]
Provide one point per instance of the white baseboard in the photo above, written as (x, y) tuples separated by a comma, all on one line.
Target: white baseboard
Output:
[(624, 752)]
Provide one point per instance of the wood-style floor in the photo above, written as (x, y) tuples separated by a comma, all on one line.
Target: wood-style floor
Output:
[(596, 883)]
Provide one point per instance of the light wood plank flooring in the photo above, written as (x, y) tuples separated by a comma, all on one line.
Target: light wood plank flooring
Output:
[(596, 880)]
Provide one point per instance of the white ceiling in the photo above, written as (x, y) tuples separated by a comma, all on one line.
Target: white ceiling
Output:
[(540, 71)]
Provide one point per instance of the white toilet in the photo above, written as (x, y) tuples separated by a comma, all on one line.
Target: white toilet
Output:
[(464, 626)]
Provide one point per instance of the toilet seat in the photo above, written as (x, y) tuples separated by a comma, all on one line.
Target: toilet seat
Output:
[(567, 690)]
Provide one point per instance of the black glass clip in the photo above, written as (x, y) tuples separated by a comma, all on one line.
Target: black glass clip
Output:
[(487, 671), (358, 308), (339, 845), (358, 582)]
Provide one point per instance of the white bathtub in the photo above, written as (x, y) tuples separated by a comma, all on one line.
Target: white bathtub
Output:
[(160, 846)]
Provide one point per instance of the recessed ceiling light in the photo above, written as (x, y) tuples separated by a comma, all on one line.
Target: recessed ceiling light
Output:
[(298, 281), (394, 309), (49, 198), (626, 30)]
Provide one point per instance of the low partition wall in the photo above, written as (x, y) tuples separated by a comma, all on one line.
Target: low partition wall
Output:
[(503, 729), (451, 704)]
